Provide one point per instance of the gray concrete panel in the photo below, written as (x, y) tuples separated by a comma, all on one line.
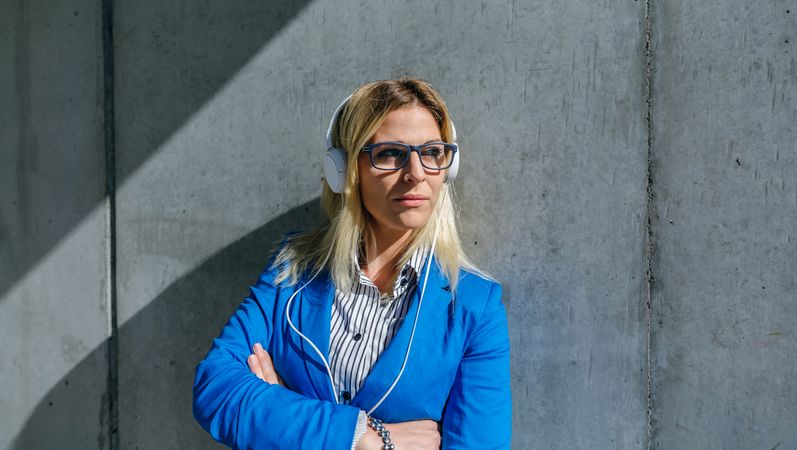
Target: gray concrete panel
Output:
[(53, 283), (554, 208), (190, 199), (51, 139), (723, 340), (549, 105)]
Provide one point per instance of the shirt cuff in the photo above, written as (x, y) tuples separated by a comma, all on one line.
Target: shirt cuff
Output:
[(359, 430)]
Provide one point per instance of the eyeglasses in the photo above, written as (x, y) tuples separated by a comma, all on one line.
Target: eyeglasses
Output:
[(395, 155)]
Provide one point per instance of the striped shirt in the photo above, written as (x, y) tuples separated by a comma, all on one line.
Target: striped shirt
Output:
[(363, 323)]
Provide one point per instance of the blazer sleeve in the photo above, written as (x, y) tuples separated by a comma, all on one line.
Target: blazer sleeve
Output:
[(242, 411), (478, 413)]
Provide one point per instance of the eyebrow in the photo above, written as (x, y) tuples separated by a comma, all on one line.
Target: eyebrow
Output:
[(427, 142)]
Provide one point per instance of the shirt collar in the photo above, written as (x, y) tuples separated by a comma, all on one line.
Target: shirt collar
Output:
[(408, 275)]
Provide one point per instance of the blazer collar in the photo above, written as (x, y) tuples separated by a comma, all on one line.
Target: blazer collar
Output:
[(314, 304)]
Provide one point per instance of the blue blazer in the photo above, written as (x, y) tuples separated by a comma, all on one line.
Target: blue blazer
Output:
[(457, 372)]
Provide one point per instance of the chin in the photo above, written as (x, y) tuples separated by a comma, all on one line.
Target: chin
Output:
[(412, 221)]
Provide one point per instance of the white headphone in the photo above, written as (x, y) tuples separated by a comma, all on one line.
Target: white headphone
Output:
[(335, 158)]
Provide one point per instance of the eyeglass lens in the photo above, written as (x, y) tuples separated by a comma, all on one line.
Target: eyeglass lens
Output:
[(394, 156)]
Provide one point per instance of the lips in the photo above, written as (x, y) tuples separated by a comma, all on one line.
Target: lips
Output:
[(413, 197), (412, 200)]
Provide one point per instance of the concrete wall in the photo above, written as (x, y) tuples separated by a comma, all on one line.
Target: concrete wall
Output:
[(628, 173), (54, 308), (724, 298)]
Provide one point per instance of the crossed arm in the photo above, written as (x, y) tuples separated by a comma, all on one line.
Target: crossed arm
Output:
[(235, 404), (416, 434), (478, 413)]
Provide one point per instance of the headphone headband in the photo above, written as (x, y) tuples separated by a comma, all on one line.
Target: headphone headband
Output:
[(328, 140)]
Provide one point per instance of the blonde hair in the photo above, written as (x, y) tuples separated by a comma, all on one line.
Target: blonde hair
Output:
[(349, 224)]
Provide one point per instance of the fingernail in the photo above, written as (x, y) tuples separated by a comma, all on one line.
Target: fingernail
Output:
[(257, 347)]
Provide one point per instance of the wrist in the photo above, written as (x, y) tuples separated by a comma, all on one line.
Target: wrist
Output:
[(359, 430), (369, 441)]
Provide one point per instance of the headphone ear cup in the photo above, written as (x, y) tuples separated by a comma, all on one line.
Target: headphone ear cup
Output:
[(335, 169), (451, 175)]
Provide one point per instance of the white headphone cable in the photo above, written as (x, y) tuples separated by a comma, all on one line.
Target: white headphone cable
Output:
[(412, 335), (417, 313), (288, 316)]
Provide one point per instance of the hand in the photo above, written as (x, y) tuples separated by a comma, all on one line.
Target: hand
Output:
[(412, 435), (260, 364)]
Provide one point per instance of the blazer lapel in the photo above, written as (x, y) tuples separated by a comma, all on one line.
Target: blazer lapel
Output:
[(432, 321), (314, 307)]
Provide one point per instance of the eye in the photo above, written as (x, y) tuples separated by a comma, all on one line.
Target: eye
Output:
[(434, 151), (389, 151)]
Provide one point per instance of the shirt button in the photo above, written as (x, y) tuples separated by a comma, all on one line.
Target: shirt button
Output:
[(405, 271), (346, 396), (357, 336), (404, 281)]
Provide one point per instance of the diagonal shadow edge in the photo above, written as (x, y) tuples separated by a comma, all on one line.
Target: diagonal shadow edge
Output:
[(163, 74), (159, 348)]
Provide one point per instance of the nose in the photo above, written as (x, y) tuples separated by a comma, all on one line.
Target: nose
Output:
[(414, 170)]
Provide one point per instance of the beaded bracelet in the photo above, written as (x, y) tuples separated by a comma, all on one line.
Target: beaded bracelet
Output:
[(380, 429)]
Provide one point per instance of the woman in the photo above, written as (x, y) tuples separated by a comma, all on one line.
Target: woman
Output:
[(375, 331)]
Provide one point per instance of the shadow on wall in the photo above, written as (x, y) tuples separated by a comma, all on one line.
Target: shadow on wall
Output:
[(171, 58), (159, 349)]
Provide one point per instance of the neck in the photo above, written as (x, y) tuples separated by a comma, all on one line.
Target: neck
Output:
[(382, 254), (387, 242)]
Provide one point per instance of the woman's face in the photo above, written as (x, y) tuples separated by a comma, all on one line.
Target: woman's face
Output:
[(401, 200)]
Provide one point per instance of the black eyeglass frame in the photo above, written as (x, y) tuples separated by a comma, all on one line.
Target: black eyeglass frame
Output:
[(411, 148)]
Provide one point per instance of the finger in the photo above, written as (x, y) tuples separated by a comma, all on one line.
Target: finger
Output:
[(266, 365), (254, 366)]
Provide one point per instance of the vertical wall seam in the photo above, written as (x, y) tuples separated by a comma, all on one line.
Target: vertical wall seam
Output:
[(112, 390), (650, 211)]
